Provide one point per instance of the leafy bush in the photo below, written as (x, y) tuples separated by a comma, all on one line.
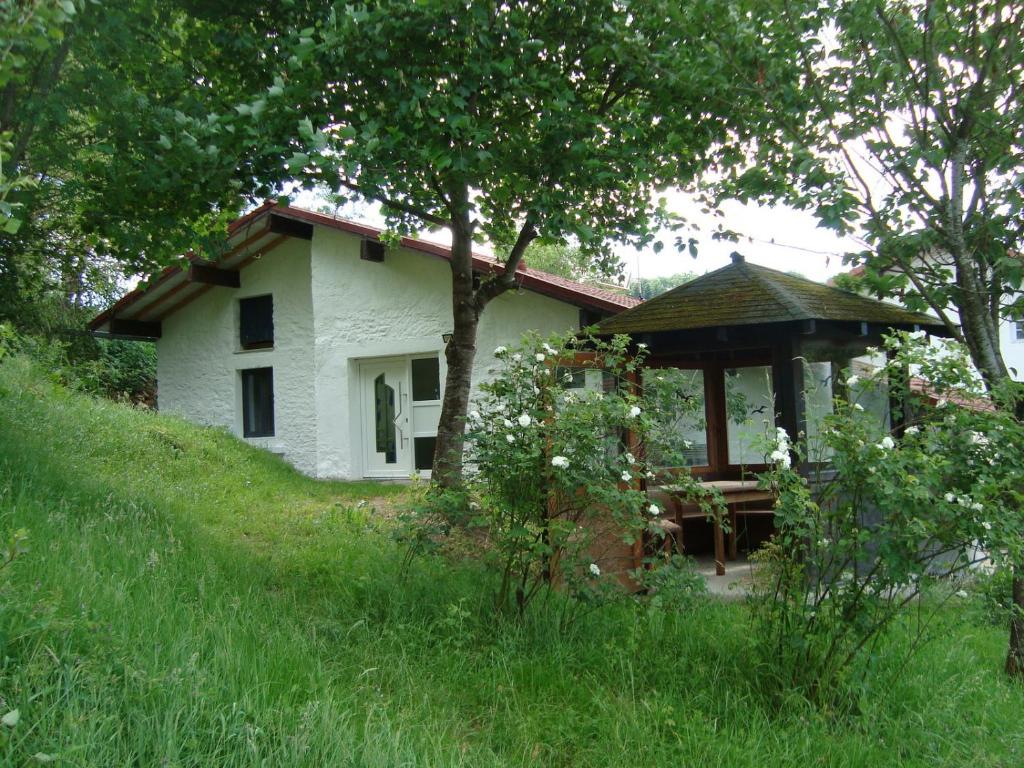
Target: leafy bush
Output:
[(111, 368), (895, 516)]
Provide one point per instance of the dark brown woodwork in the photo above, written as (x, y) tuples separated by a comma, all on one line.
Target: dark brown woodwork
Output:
[(283, 225), (134, 329), (187, 300), (210, 275)]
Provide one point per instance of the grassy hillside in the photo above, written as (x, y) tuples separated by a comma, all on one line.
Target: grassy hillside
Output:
[(188, 601)]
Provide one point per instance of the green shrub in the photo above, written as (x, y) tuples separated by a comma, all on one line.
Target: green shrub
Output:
[(898, 516)]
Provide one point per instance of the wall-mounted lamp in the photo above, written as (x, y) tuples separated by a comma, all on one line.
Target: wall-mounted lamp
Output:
[(447, 338)]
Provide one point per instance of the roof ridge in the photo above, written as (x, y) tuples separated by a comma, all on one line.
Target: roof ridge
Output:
[(791, 303)]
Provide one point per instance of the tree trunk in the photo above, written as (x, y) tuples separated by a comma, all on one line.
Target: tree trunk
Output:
[(460, 354)]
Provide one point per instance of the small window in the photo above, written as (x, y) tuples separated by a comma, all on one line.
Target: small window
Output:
[(1018, 330), (256, 322), (426, 379), (258, 402), (372, 250)]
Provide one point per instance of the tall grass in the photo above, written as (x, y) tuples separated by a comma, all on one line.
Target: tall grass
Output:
[(190, 601)]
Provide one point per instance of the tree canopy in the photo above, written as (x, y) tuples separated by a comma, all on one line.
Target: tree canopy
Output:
[(507, 122), (906, 126)]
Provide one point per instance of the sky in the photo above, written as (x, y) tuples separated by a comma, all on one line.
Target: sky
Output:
[(777, 236)]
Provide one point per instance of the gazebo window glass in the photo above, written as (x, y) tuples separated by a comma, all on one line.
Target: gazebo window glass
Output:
[(831, 370), (868, 391), (750, 413), (675, 397), (818, 394)]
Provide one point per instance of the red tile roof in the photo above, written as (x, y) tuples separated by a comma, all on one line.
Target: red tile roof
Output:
[(534, 279), (570, 291)]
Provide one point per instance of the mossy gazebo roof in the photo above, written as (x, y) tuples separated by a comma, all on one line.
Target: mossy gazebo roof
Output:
[(743, 294)]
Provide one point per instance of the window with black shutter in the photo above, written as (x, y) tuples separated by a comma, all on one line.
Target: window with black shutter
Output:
[(258, 402), (256, 322)]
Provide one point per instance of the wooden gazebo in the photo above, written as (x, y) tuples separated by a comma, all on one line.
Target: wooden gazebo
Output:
[(758, 349)]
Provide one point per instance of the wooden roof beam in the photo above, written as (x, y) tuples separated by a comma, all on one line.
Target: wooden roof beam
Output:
[(134, 329), (208, 275)]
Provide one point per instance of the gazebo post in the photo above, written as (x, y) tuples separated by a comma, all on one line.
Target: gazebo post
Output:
[(787, 376)]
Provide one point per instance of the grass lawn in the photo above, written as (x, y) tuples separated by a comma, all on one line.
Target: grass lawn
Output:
[(189, 601)]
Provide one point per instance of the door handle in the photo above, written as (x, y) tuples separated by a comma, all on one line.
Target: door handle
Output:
[(401, 418)]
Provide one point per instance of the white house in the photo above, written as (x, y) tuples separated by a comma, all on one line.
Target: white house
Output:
[(313, 340)]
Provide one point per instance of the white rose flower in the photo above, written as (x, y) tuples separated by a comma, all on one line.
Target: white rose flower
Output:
[(654, 509), (962, 594), (987, 526), (499, 351), (524, 420), (887, 443), (852, 381), (539, 357), (549, 349), (510, 438), (630, 459), (641, 345), (474, 415), (858, 407), (595, 570), (950, 497), (626, 477), (634, 411), (560, 461), (517, 357), (912, 430), (507, 423), (977, 506)]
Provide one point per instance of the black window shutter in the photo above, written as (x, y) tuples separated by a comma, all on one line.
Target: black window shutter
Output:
[(256, 322)]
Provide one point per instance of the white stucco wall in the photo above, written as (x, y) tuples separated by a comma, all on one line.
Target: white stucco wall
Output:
[(1013, 349), (199, 359), (399, 307)]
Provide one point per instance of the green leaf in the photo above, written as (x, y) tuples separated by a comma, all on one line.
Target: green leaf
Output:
[(297, 161)]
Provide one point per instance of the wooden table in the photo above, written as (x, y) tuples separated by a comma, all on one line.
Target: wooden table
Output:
[(733, 492)]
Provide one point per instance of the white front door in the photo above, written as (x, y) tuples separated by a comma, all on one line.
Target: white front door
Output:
[(387, 438)]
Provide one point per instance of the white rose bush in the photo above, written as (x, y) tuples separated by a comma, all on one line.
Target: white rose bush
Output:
[(893, 521), (550, 469)]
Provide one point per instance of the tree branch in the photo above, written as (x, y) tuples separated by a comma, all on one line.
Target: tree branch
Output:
[(397, 205), (507, 278)]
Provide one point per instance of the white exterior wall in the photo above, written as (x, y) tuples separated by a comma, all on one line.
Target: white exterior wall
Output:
[(331, 310), (199, 357), (1012, 348), (398, 307)]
